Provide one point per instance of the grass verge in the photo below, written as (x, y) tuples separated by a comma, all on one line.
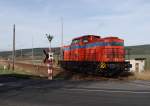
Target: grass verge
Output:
[(16, 73)]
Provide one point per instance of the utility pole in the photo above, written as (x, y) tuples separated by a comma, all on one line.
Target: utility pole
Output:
[(32, 50), (129, 50), (62, 38), (13, 52)]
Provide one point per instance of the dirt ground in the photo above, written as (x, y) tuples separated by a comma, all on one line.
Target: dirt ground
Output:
[(33, 69), (140, 76)]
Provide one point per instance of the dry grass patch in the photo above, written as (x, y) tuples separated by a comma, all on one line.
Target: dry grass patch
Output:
[(141, 76)]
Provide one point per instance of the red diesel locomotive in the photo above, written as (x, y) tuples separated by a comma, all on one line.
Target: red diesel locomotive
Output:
[(95, 55)]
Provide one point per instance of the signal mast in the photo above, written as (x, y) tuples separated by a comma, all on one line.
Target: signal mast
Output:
[(50, 58)]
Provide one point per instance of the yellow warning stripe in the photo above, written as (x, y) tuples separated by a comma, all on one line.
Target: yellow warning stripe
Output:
[(102, 65)]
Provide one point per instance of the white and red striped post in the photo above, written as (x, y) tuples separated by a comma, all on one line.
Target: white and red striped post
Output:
[(50, 69), (50, 66)]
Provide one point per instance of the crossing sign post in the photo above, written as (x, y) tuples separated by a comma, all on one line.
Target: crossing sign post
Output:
[(49, 58)]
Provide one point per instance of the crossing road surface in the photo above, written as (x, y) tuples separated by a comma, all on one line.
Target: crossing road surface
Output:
[(37, 92)]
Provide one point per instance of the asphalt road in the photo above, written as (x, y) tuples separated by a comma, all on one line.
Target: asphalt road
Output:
[(37, 92)]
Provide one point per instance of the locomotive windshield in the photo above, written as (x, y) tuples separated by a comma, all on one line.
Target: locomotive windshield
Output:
[(115, 44), (75, 41)]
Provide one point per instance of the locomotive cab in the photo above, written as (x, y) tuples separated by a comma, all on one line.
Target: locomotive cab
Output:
[(114, 49)]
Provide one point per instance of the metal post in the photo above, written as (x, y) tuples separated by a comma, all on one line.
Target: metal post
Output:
[(50, 47), (129, 54), (13, 52), (50, 69), (21, 52)]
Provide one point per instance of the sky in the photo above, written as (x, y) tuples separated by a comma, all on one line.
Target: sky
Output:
[(126, 19)]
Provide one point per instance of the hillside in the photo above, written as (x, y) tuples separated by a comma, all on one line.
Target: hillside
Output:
[(28, 52), (139, 50), (131, 50)]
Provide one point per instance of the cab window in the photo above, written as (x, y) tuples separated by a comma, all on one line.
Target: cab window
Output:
[(117, 44), (85, 40), (114, 44)]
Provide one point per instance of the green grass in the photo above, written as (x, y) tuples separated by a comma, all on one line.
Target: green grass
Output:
[(2, 71), (6, 72)]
